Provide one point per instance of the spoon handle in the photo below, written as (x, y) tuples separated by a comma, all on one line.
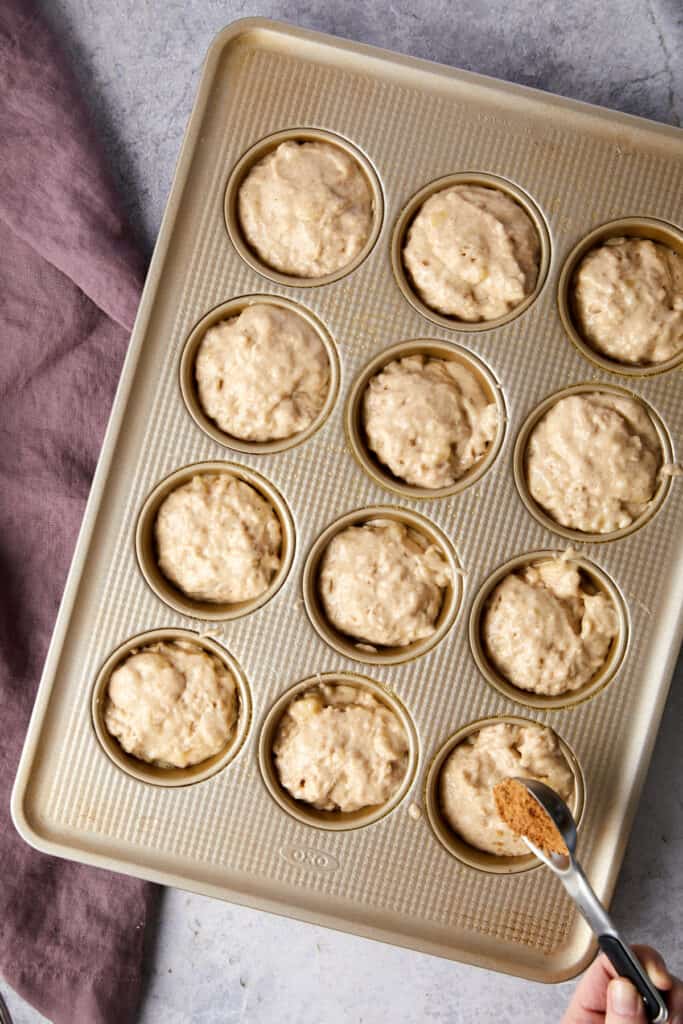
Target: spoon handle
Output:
[(628, 966), (624, 961)]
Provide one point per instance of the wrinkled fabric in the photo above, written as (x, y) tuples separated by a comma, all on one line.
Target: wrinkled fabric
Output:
[(71, 937)]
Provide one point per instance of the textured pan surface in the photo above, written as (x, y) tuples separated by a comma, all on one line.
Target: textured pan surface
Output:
[(226, 836)]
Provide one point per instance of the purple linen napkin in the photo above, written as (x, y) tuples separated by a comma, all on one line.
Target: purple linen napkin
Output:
[(71, 937)]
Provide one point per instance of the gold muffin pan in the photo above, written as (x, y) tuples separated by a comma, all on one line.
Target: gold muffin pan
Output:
[(396, 872)]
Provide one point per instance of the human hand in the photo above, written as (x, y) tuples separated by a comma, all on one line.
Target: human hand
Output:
[(601, 997)]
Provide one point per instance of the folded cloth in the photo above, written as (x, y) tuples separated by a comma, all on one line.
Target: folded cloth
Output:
[(71, 937)]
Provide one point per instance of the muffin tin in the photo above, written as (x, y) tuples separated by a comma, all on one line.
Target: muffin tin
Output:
[(225, 828)]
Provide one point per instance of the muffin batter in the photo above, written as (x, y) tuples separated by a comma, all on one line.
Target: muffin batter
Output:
[(340, 749), (383, 583), (484, 759), (172, 704), (262, 375), (593, 461), (306, 209), (628, 300), (545, 630), (428, 420), (472, 252), (218, 539)]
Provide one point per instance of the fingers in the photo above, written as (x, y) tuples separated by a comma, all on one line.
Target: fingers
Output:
[(590, 997), (603, 997), (624, 1005), (653, 962), (675, 1001)]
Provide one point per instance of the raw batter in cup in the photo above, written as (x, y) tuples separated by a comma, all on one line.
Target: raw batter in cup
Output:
[(262, 375), (628, 300), (546, 629), (485, 758), (383, 583), (306, 209), (428, 420), (218, 539), (593, 461), (472, 253), (338, 748), (172, 704)]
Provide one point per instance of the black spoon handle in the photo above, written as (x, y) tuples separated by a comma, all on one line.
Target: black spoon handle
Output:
[(627, 965)]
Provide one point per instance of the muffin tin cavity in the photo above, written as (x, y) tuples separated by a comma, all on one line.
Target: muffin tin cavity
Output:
[(334, 821), (188, 380), (596, 581), (411, 210), (450, 840), (355, 430), (146, 548), (150, 773), (520, 458), (262, 149), (628, 227), (357, 650)]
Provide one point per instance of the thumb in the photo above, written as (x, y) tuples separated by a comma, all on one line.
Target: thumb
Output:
[(624, 1005)]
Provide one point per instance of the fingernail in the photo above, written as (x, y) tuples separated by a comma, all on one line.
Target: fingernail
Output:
[(623, 998)]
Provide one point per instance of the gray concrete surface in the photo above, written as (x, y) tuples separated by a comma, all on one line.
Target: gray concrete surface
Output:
[(139, 61)]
